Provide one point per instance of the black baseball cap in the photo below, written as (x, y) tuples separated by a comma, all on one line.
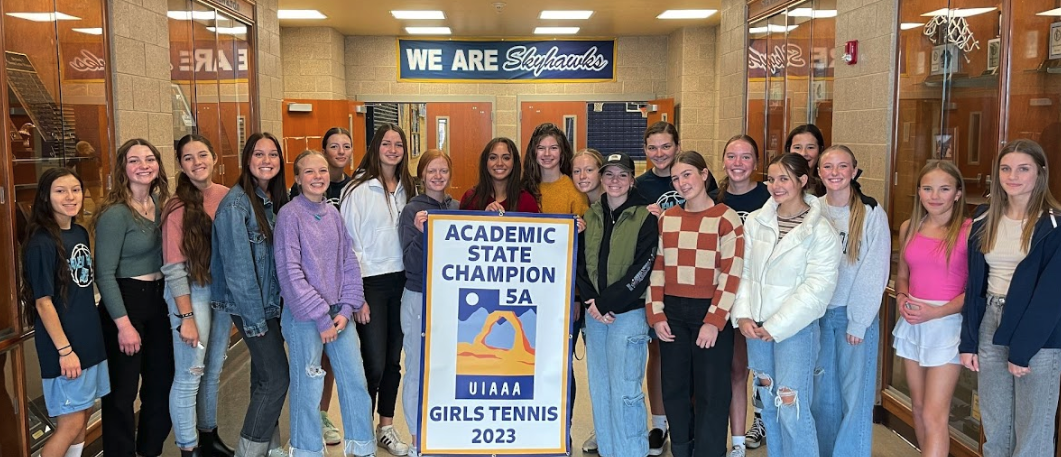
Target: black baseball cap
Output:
[(618, 159)]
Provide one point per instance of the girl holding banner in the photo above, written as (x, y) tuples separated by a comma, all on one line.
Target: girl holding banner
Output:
[(433, 171), (791, 257), (693, 284), (320, 280), (618, 246), (371, 205), (499, 188)]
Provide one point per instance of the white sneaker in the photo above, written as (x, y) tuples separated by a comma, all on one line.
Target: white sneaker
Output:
[(330, 432), (590, 445), (387, 437), (738, 451)]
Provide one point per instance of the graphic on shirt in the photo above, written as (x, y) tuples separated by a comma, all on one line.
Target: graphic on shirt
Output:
[(743, 216), (335, 201), (495, 347), (669, 199), (843, 242), (81, 265)]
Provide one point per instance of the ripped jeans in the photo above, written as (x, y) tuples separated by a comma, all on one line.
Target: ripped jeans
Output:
[(783, 375), (307, 384), (615, 365), (193, 394)]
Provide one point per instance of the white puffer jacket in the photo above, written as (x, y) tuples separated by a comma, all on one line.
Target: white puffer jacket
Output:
[(787, 284)]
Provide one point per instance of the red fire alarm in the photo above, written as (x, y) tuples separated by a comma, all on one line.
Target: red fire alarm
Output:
[(851, 52)]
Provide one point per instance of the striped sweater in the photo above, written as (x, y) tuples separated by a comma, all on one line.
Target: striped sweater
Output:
[(701, 255)]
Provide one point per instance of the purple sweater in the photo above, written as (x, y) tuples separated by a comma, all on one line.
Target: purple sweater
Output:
[(315, 262)]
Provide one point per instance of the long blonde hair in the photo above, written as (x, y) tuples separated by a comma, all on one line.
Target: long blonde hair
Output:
[(998, 201), (854, 204), (957, 215)]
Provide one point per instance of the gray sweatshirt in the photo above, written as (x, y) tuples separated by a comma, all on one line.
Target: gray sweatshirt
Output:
[(860, 285)]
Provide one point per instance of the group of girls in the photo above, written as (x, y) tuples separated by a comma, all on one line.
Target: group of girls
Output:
[(783, 278)]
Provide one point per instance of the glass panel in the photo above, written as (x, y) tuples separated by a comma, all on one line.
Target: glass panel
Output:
[(777, 97), (10, 421), (1035, 80), (758, 68), (58, 102)]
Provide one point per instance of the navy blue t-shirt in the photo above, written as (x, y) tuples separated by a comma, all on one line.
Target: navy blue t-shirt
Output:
[(744, 204), (77, 314)]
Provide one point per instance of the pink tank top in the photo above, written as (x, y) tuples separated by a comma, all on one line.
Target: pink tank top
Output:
[(931, 276)]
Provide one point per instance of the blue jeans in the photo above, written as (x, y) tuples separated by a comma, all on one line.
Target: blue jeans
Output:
[(1018, 413), (193, 396), (412, 324), (845, 387), (307, 384), (615, 364), (789, 365)]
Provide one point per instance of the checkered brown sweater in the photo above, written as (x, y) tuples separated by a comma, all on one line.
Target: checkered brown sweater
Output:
[(701, 255)]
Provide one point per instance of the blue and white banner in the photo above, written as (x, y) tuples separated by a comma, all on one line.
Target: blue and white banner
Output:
[(506, 61), (497, 319)]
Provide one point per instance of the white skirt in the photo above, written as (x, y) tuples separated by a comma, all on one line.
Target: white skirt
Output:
[(930, 344)]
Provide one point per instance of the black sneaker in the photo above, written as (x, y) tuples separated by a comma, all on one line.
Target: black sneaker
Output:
[(656, 439), (756, 434)]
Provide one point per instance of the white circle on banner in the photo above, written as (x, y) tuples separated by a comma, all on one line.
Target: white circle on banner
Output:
[(472, 298)]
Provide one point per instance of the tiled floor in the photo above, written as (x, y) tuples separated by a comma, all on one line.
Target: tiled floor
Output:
[(234, 398)]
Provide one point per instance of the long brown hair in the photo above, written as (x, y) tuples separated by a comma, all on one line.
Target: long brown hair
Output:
[(277, 188), (483, 192), (196, 225), (120, 193), (42, 217), (795, 166), (957, 215), (532, 172), (856, 205), (997, 203), (371, 166), (723, 185)]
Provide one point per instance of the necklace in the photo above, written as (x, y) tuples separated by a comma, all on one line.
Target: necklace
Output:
[(145, 206)]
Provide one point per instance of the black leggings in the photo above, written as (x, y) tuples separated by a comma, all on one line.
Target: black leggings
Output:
[(381, 339)]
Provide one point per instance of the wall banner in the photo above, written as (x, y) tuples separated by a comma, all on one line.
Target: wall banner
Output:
[(496, 348), (458, 60)]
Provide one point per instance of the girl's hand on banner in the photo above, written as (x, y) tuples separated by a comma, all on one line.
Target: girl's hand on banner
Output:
[(495, 206), (580, 223), (421, 220)]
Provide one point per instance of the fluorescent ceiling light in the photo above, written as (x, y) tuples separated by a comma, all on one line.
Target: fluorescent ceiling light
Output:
[(686, 14), (190, 15), (909, 25), (428, 30), (959, 12), (44, 17), (228, 30), (90, 31), (300, 14), (812, 13), (418, 14), (553, 14), (555, 30), (1053, 12), (772, 28)]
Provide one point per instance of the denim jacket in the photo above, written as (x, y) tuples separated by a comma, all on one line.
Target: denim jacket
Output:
[(242, 264)]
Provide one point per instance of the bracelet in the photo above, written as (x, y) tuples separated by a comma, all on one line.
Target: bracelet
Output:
[(64, 347), (185, 315), (902, 293), (68, 353)]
